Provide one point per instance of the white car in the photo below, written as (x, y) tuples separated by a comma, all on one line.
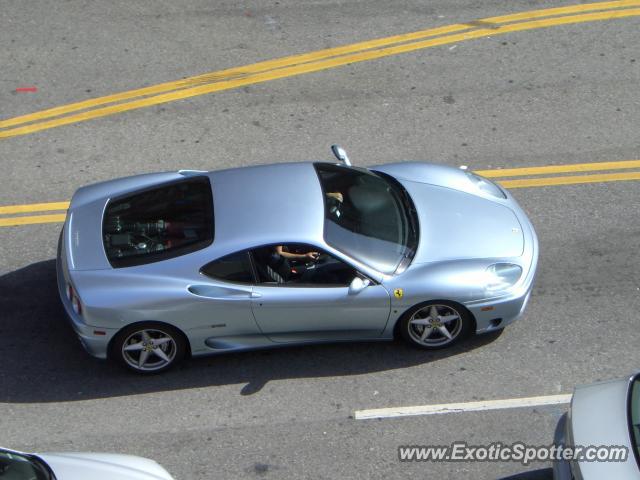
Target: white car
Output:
[(78, 466), (603, 414)]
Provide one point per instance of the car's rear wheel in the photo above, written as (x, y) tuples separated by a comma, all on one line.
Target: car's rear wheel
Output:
[(434, 325), (149, 347)]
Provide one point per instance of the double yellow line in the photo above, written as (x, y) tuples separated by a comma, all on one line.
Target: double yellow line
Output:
[(32, 219), (533, 177), (556, 180), (312, 62)]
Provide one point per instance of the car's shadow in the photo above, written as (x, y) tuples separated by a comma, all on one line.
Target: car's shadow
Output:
[(42, 361)]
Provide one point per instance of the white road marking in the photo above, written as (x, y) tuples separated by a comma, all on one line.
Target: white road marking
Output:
[(461, 407)]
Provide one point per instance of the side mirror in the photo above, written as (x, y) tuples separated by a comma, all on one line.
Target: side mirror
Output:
[(357, 285), (340, 154)]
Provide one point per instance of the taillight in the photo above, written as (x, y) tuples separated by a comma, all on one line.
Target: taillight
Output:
[(76, 305), (75, 300)]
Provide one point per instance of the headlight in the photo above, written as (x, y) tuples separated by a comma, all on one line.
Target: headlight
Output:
[(485, 185), (501, 276)]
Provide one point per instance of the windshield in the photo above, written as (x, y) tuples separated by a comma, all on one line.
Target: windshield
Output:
[(368, 216), (634, 416), (16, 466)]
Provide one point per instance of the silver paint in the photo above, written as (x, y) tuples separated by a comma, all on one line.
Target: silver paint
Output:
[(463, 231)]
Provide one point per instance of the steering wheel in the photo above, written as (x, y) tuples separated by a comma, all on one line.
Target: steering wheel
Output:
[(321, 258)]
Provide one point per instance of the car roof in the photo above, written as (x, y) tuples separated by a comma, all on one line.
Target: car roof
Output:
[(267, 204)]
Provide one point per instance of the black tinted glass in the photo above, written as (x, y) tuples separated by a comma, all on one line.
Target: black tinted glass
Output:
[(300, 265), (22, 467), (232, 268), (159, 223)]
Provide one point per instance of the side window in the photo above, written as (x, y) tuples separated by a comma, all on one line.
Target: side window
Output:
[(234, 268), (300, 265)]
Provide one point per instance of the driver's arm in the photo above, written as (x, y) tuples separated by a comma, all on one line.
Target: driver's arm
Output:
[(337, 195), (296, 256)]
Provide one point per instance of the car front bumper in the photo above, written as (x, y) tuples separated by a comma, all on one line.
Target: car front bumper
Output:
[(497, 313)]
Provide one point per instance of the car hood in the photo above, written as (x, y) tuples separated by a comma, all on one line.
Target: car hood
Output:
[(103, 466), (460, 225)]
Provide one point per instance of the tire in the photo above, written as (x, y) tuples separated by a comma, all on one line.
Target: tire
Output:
[(419, 317), (165, 346)]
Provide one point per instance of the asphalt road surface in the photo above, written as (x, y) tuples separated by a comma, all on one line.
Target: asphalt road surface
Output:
[(552, 94)]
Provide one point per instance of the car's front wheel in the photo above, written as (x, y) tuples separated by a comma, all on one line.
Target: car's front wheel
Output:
[(149, 347), (434, 325)]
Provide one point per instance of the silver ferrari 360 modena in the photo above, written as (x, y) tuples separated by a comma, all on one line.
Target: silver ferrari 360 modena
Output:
[(156, 267)]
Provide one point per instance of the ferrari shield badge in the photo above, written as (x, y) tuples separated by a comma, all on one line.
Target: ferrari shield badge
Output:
[(398, 293)]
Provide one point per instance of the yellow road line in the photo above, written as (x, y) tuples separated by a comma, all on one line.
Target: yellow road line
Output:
[(229, 74), (315, 61), (32, 219), (576, 167), (34, 207), (572, 180), (549, 12)]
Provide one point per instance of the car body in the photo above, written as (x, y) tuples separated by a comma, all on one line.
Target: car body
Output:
[(16, 465), (602, 414), (442, 241)]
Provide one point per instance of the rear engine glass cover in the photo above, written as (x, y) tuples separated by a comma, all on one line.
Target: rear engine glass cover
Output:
[(159, 223)]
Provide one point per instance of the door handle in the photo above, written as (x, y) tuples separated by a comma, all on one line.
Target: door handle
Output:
[(255, 295), (218, 293)]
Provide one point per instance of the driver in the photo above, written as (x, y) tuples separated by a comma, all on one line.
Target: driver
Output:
[(286, 265), (312, 255), (278, 263), (304, 257), (322, 270)]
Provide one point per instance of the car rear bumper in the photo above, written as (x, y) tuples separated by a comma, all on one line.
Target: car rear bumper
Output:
[(96, 345)]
